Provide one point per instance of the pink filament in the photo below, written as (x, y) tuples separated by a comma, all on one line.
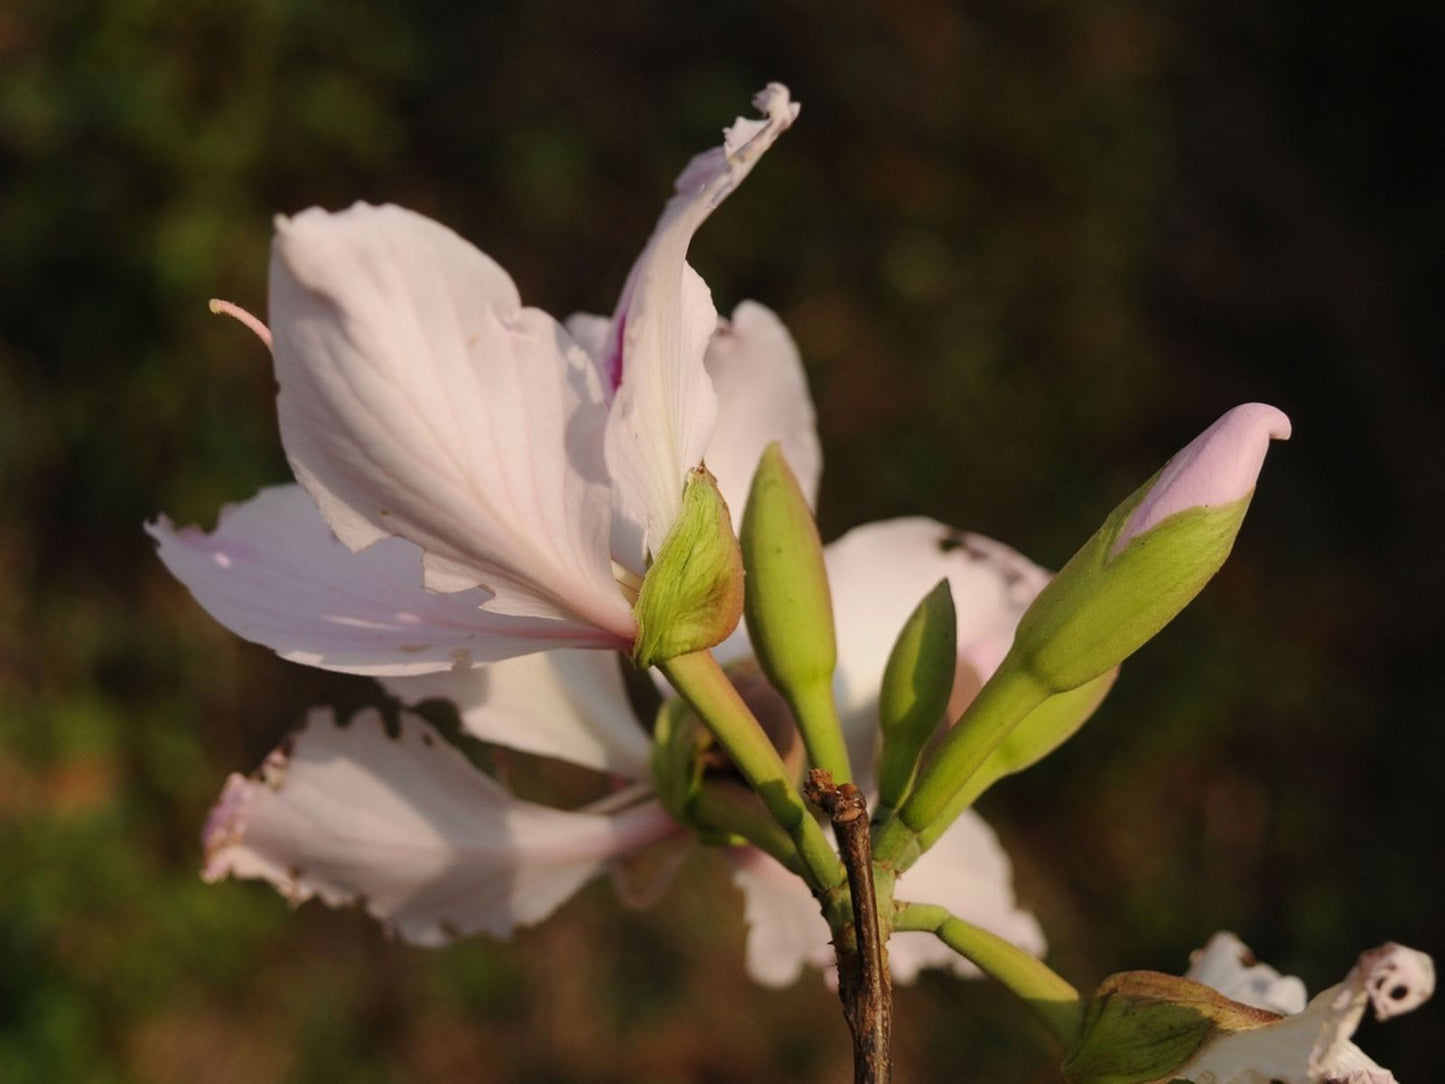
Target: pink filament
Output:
[(234, 311)]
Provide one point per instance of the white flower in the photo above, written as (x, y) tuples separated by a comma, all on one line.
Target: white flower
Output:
[(406, 824), (495, 487)]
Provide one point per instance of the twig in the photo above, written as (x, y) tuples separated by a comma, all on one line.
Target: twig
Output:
[(864, 985)]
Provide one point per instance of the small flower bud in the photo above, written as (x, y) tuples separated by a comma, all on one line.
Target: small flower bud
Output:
[(916, 687), (789, 608), (691, 597), (788, 605), (1154, 553)]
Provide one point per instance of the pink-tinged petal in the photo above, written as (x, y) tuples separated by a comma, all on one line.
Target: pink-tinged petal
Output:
[(571, 705), (1216, 468), (1313, 1045), (879, 572), (273, 573), (419, 398), (762, 396), (968, 873), (663, 414), (1227, 965), (435, 848)]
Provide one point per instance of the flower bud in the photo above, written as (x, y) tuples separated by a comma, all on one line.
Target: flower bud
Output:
[(1154, 553), (691, 597), (916, 686), (789, 608)]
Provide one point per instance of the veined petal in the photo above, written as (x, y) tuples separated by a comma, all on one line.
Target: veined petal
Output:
[(419, 398), (965, 871), (1313, 1046), (435, 847), (968, 873), (273, 573), (880, 571), (571, 705), (762, 396), (663, 414)]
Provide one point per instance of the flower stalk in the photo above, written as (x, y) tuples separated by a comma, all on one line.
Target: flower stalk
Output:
[(864, 984), (1049, 997), (701, 682), (1004, 701)]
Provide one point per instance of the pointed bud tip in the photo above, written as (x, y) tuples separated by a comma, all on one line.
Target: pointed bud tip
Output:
[(1216, 468)]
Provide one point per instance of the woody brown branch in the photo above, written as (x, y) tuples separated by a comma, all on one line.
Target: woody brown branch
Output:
[(864, 985)]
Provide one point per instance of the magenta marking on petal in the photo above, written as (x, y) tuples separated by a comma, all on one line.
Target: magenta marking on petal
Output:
[(612, 362)]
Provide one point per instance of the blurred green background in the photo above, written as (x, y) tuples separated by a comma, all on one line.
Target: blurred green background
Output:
[(1028, 250)]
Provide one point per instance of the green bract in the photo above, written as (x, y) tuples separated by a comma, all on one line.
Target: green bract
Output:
[(691, 597)]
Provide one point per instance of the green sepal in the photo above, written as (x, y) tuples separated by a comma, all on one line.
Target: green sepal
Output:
[(917, 683), (1101, 608), (691, 597), (789, 607), (1143, 1026)]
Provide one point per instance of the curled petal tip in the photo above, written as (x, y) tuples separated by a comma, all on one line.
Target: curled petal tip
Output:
[(776, 102), (1397, 979), (1218, 467)]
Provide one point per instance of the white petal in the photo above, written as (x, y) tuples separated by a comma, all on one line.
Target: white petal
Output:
[(785, 928), (1313, 1046), (273, 572), (662, 418), (762, 396), (420, 399), (968, 873), (1227, 965), (434, 847), (571, 705), (881, 571)]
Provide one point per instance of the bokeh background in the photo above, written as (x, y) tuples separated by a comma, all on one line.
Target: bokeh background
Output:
[(1027, 249)]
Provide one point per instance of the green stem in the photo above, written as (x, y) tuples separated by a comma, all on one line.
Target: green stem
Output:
[(708, 691), (816, 713), (999, 706), (1052, 1000)]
